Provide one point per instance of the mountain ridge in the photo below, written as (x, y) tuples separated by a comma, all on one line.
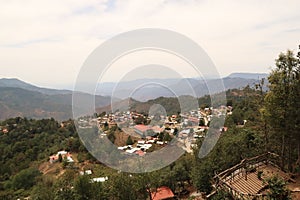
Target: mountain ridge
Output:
[(147, 89), (18, 102), (247, 75), (17, 83), (18, 98)]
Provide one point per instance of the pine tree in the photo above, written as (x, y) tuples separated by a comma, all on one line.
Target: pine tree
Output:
[(282, 103), (129, 141)]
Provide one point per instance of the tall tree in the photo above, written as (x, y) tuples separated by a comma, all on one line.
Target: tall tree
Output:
[(282, 103)]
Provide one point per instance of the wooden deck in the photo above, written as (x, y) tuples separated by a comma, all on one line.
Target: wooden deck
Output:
[(242, 179), (250, 184)]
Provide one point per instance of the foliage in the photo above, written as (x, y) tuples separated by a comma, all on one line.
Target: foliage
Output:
[(111, 136), (129, 141), (281, 108), (222, 195), (259, 175), (60, 159), (25, 179), (277, 189), (27, 143), (43, 190)]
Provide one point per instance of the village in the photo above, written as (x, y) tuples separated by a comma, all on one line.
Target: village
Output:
[(158, 129), (187, 128)]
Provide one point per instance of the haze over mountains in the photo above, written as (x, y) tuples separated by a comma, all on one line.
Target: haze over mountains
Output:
[(18, 98), (147, 89), (16, 83)]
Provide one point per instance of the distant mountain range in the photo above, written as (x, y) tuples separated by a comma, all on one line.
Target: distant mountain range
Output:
[(255, 76), (147, 89), (18, 98), (16, 83)]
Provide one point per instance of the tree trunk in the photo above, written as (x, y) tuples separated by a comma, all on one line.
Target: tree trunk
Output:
[(298, 160), (283, 152), (290, 156), (266, 137)]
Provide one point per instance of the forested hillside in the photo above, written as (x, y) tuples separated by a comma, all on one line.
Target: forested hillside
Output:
[(260, 122), (16, 102), (16, 83)]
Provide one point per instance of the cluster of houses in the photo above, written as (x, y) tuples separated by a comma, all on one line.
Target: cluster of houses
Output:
[(191, 118), (189, 126), (147, 130), (142, 146), (64, 154)]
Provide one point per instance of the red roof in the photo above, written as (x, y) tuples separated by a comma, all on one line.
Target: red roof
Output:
[(194, 119), (162, 193), (144, 128), (157, 129), (140, 153), (141, 127)]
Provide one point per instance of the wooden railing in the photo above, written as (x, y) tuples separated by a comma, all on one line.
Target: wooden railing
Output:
[(249, 163), (241, 170), (240, 195)]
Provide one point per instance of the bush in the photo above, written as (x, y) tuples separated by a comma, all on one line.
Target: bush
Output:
[(259, 175), (25, 179), (277, 188)]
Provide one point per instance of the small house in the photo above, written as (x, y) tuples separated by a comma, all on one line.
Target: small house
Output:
[(162, 193)]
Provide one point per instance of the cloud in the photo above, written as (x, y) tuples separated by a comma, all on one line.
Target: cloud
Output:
[(47, 41)]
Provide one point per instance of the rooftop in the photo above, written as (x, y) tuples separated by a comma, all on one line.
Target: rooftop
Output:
[(162, 193)]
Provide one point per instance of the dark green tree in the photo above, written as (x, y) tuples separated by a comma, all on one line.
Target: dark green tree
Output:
[(43, 190), (63, 187), (60, 159), (83, 188), (25, 179), (129, 141), (281, 106), (167, 137)]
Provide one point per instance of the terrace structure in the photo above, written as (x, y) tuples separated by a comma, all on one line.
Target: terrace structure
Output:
[(245, 180)]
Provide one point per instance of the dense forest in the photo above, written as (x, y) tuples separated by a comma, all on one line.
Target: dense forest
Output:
[(272, 126)]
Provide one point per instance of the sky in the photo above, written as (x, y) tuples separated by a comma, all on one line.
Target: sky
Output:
[(46, 42)]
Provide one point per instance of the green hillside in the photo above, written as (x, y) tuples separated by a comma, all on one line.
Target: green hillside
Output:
[(16, 102)]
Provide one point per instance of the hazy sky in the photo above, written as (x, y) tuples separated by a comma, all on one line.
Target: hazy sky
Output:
[(45, 42)]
